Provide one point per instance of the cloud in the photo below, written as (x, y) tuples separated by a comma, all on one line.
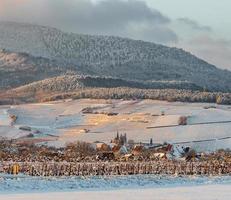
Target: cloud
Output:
[(151, 33), (203, 42), (107, 17), (126, 18), (194, 25), (215, 51), (6, 4)]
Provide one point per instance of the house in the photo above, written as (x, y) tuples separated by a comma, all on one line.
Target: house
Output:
[(137, 149), (101, 146), (109, 155)]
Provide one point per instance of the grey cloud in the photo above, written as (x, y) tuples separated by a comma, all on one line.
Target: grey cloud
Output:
[(215, 51), (194, 25), (151, 33), (108, 17)]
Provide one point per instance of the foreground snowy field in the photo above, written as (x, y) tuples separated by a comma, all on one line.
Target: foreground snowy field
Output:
[(210, 192), (26, 184), (63, 121), (115, 187)]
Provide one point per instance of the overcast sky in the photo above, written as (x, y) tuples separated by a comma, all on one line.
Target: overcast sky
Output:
[(202, 27)]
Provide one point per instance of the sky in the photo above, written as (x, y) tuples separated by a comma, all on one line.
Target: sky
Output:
[(202, 27)]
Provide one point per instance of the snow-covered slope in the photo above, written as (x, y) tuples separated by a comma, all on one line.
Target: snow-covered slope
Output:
[(207, 129), (113, 56), (18, 69)]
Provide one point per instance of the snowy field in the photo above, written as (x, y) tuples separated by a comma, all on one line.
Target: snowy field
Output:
[(65, 120), (115, 187), (27, 184), (210, 192)]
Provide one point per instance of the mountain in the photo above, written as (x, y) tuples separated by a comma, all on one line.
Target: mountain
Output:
[(18, 69), (104, 56), (37, 73)]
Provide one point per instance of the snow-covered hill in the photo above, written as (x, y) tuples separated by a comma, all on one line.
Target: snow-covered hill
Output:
[(18, 69), (26, 71), (66, 83), (112, 56)]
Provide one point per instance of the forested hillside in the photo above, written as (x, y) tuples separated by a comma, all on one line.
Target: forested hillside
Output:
[(108, 56)]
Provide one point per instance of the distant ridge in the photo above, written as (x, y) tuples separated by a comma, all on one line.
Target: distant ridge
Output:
[(67, 83)]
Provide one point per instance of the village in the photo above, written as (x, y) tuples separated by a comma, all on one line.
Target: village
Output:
[(89, 138), (121, 156)]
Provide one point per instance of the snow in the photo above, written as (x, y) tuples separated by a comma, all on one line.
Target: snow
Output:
[(65, 119), (166, 120), (44, 117), (115, 187), (4, 117), (26, 184), (211, 192)]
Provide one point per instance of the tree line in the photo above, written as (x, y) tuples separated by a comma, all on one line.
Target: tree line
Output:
[(170, 95)]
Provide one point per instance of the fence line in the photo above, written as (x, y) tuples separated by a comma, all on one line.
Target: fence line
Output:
[(193, 124)]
